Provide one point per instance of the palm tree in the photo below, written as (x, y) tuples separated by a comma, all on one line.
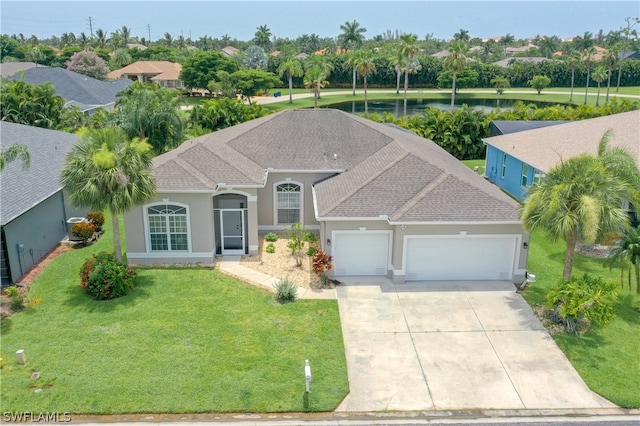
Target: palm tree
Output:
[(573, 62), (587, 59), (397, 60), (12, 153), (462, 35), (599, 75), (548, 45), (408, 50), (610, 59), (125, 32), (350, 63), (167, 40), (315, 79), (263, 37), (101, 38), (626, 31), (352, 35), (583, 195), (105, 171), (323, 64), (121, 58), (292, 68), (365, 65), (455, 62), (627, 249)]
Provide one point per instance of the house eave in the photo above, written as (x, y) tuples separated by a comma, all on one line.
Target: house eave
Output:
[(272, 170)]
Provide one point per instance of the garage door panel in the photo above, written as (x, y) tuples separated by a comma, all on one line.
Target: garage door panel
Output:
[(452, 258), (361, 253)]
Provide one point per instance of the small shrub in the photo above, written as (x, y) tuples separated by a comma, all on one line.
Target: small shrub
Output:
[(321, 265), (310, 237), (297, 235), (312, 250), (16, 298), (97, 219), (270, 248), (271, 237), (579, 302), (104, 278), (83, 230), (286, 291)]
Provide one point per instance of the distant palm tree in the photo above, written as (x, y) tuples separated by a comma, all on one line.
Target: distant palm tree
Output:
[(125, 32), (461, 35), (587, 60), (167, 40), (455, 63), (101, 38), (315, 79), (365, 65), (292, 68), (397, 61), (573, 61), (610, 59), (263, 37), (12, 153), (627, 249), (408, 50), (599, 75), (548, 45), (350, 63), (352, 35), (323, 64)]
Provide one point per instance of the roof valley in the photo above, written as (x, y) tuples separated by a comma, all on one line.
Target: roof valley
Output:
[(194, 171), (414, 200)]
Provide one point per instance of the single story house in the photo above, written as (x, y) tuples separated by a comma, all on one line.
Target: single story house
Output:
[(517, 160), (509, 62), (383, 200), (34, 209), (7, 69), (77, 89), (164, 73)]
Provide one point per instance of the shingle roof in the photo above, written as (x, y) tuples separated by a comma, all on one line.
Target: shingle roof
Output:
[(544, 148), (78, 89), (7, 69), (380, 169), (161, 70), (503, 127), (20, 190)]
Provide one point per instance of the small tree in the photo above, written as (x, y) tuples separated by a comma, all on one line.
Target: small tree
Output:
[(540, 82), (626, 252), (500, 83), (89, 64), (321, 265), (297, 238)]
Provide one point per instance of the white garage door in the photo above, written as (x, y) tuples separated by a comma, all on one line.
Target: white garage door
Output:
[(460, 258), (361, 252)]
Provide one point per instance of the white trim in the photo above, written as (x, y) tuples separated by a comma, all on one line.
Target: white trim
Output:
[(145, 219), (284, 227), (334, 233), (507, 222), (168, 254), (270, 170), (250, 197), (242, 236), (253, 247), (275, 200)]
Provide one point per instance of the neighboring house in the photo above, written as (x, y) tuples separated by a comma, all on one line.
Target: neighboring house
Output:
[(136, 46), (629, 55), (77, 89), (229, 51), (510, 51), (7, 69), (517, 160), (509, 62), (165, 74), (34, 210), (441, 54), (383, 200)]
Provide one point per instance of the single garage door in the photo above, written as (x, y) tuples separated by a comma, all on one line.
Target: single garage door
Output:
[(361, 252), (460, 258)]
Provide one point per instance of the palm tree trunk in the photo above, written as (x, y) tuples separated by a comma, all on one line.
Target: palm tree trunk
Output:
[(637, 267), (354, 81), (453, 91), (366, 106), (608, 86), (315, 97), (290, 89), (406, 87), (619, 76), (117, 245), (586, 90), (598, 96), (572, 239), (398, 81), (573, 74)]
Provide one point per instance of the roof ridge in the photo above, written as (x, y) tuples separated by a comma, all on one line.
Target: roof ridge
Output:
[(367, 181), (414, 200), (239, 166), (194, 172)]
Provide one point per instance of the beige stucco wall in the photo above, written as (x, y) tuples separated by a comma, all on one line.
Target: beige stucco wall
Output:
[(266, 197)]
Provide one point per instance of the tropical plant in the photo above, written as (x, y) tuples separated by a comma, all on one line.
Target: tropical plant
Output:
[(291, 68), (105, 171), (12, 153), (352, 35), (599, 75), (83, 231), (202, 67), (121, 58), (627, 249), (573, 61), (455, 63), (216, 114), (249, 82), (104, 278), (500, 83), (540, 82), (609, 60), (255, 58), (587, 60), (263, 37), (31, 104), (96, 219), (297, 236), (321, 265), (408, 49), (365, 66), (271, 237), (286, 291), (315, 79), (322, 67), (89, 64), (270, 248)]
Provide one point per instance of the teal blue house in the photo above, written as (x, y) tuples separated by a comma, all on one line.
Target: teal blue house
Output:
[(522, 152)]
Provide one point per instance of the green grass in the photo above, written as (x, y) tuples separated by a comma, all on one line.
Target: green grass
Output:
[(186, 340), (607, 358)]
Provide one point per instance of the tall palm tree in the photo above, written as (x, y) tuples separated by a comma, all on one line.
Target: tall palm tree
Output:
[(323, 64), (455, 63), (315, 79), (573, 61), (548, 45), (627, 249), (12, 153), (408, 50), (121, 58), (262, 37), (396, 60), (583, 195), (352, 35), (105, 171), (610, 59), (350, 63), (599, 75), (365, 66), (101, 38), (587, 60), (461, 35), (292, 68), (125, 32)]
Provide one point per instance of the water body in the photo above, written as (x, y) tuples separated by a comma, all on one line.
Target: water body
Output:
[(417, 106)]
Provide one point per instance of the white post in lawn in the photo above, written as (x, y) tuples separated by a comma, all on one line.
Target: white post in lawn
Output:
[(21, 356), (307, 373)]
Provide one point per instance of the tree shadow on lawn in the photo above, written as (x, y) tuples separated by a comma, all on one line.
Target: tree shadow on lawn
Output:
[(627, 308), (78, 298)]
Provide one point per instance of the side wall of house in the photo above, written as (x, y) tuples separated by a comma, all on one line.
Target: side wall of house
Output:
[(511, 182)]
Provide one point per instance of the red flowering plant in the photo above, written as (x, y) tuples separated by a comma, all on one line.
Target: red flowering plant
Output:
[(102, 277), (321, 264), (96, 219)]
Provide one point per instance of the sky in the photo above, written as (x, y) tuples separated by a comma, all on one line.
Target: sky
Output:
[(290, 19)]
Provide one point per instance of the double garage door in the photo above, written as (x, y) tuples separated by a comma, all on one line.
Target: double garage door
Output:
[(427, 258)]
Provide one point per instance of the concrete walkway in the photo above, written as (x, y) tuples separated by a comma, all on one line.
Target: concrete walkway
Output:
[(231, 265)]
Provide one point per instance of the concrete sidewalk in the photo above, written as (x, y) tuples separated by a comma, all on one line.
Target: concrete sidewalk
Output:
[(230, 265)]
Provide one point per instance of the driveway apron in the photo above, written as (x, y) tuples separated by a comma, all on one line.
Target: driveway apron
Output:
[(451, 345)]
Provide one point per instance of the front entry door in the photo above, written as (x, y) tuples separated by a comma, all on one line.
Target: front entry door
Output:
[(232, 226)]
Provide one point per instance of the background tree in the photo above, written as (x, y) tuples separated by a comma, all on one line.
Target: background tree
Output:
[(587, 61), (89, 64), (627, 31), (540, 82), (291, 68), (462, 35), (255, 58), (627, 249), (263, 37), (315, 79), (12, 153), (500, 83), (599, 75), (324, 65), (250, 82), (121, 58), (215, 114), (609, 60), (201, 68), (223, 86), (365, 66), (455, 63), (31, 104), (352, 38), (107, 172), (408, 50), (573, 61)]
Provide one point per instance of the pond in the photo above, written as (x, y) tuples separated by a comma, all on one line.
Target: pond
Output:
[(417, 106)]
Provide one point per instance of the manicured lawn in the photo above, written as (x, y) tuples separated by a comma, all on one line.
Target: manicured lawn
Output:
[(186, 340), (607, 358)]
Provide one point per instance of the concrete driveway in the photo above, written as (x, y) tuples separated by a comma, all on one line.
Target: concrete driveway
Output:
[(451, 345)]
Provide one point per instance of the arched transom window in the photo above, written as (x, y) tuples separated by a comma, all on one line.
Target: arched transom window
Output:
[(288, 196), (168, 228)]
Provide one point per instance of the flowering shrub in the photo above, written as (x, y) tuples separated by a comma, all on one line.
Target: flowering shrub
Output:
[(97, 219), (83, 230), (103, 277)]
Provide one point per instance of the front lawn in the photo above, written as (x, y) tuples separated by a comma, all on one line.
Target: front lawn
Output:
[(186, 340), (607, 358)]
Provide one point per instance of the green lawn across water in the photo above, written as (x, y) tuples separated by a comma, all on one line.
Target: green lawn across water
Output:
[(186, 340)]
